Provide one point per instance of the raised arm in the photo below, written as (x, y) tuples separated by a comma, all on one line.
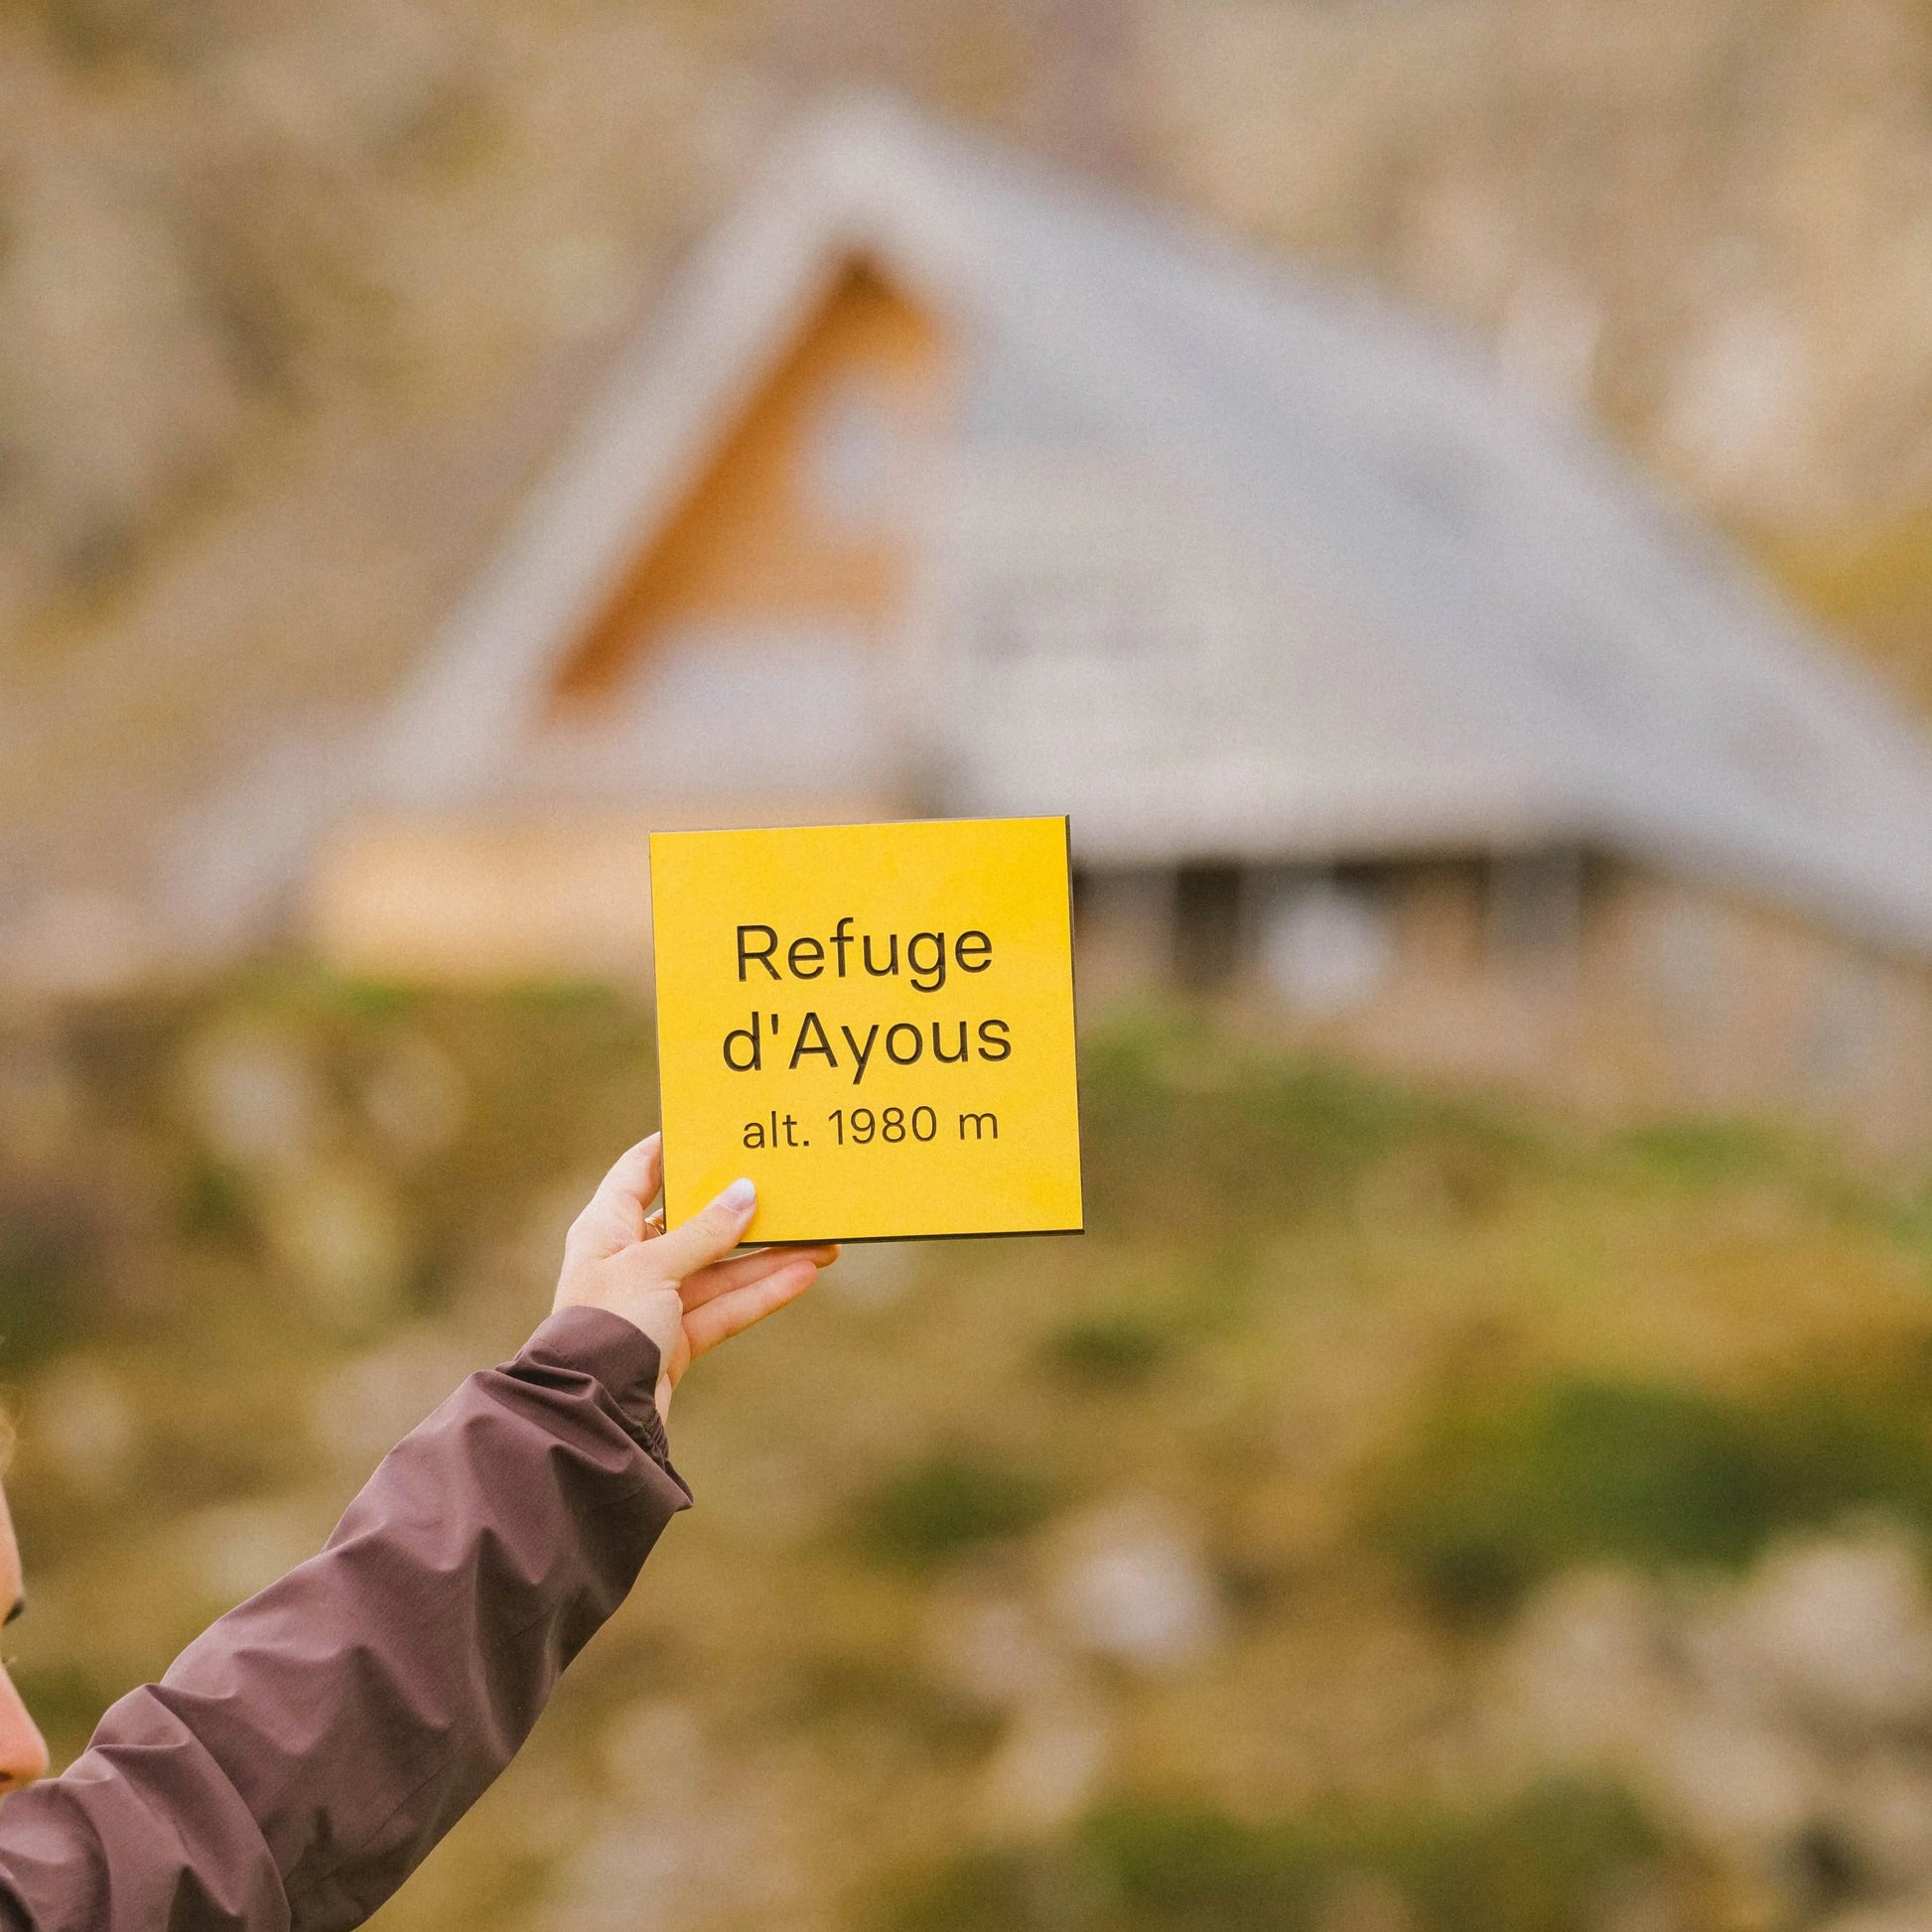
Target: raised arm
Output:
[(304, 1756)]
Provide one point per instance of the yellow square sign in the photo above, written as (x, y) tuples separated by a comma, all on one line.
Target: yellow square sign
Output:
[(875, 1022)]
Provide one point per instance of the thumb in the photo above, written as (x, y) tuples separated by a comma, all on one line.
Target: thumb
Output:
[(709, 1235)]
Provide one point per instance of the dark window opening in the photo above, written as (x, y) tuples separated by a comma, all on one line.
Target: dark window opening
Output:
[(1207, 926), (1535, 904)]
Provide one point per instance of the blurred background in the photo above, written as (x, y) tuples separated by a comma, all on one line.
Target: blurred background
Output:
[(1440, 490)]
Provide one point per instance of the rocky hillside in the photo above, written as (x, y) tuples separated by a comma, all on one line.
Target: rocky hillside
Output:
[(1392, 1514)]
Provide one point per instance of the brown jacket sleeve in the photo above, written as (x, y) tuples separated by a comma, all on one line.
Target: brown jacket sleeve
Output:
[(304, 1756)]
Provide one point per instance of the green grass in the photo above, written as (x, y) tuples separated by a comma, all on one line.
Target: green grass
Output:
[(1392, 1356), (1546, 1861), (1111, 1351), (1183, 1126), (941, 1505), (1496, 1488)]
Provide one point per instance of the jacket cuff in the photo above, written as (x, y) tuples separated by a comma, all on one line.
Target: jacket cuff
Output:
[(619, 1356)]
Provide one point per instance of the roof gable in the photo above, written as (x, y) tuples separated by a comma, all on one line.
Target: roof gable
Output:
[(792, 520)]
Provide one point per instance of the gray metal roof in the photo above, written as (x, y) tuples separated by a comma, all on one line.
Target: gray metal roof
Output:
[(1510, 642)]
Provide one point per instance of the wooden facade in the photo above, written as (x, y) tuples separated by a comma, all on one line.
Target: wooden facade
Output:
[(800, 516)]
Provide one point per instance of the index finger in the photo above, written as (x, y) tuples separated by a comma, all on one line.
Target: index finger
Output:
[(740, 1271), (615, 1217)]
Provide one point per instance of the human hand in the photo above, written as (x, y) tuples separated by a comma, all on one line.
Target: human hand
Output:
[(680, 1288)]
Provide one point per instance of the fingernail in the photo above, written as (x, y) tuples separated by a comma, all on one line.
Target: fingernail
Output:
[(740, 1195)]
